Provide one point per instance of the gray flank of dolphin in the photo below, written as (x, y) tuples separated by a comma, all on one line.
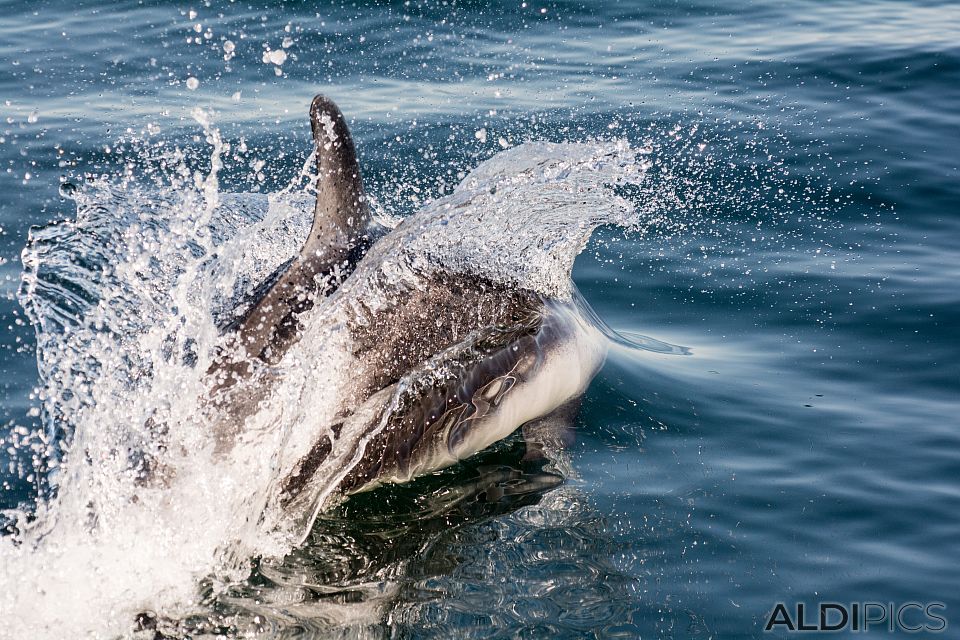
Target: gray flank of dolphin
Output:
[(444, 362)]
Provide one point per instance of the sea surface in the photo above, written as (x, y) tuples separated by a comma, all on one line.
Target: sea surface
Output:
[(797, 229)]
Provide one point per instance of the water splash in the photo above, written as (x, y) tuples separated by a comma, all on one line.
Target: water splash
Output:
[(128, 299)]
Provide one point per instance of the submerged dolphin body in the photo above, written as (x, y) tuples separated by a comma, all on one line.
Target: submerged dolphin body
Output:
[(444, 361)]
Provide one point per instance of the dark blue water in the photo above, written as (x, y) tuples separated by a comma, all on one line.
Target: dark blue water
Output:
[(804, 245)]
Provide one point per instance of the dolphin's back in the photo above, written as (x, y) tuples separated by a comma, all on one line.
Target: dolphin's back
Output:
[(443, 359), (473, 343), (454, 365), (440, 313)]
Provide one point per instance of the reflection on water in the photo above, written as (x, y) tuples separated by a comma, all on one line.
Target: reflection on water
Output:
[(498, 542)]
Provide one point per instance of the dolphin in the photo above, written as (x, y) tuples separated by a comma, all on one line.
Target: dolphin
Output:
[(444, 361)]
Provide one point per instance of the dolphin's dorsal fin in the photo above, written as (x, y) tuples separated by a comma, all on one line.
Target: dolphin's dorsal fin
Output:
[(337, 239), (341, 216)]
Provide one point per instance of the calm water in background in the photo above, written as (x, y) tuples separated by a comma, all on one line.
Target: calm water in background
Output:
[(808, 450)]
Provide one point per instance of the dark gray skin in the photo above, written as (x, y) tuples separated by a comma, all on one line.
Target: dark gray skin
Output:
[(432, 365), (435, 412), (479, 369), (337, 240)]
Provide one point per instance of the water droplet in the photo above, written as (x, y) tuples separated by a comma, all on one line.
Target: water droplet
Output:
[(68, 190), (277, 57), (192, 83)]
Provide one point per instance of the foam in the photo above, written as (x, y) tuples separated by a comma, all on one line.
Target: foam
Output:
[(127, 300)]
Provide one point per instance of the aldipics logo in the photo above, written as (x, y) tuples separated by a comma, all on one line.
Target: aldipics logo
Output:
[(911, 617)]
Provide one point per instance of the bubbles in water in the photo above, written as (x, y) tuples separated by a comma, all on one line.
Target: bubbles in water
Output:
[(192, 83)]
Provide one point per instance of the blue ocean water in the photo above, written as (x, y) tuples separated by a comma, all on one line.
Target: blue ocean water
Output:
[(802, 245)]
